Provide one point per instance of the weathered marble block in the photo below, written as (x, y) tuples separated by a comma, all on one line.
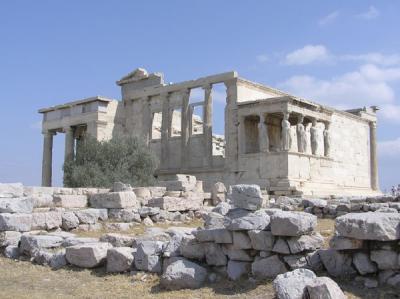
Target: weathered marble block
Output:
[(247, 197), (88, 255), (16, 205), (292, 223), (11, 190), (15, 222), (70, 201), (114, 200), (171, 204)]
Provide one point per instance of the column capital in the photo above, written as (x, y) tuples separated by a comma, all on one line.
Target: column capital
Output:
[(48, 133), (372, 124), (207, 86), (68, 129)]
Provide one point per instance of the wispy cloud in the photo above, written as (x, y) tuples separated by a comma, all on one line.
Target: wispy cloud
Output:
[(262, 58), (330, 18), (370, 14), (307, 55)]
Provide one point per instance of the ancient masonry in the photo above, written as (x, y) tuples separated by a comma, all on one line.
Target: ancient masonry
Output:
[(287, 145)]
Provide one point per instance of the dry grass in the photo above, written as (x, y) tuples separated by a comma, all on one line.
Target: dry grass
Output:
[(326, 227)]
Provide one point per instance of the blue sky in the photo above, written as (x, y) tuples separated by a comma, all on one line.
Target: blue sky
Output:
[(341, 53)]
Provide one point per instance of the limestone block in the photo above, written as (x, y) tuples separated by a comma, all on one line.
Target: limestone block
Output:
[(46, 220), (16, 205), (120, 187), (218, 193), (54, 259), (169, 203), (291, 285), (213, 220), (214, 255), (42, 201), (91, 216), (236, 270), (394, 281), (124, 215), (11, 252), (148, 256), (114, 200), (117, 240), (119, 259), (31, 243), (261, 239), (15, 222), (69, 220), (222, 208), (241, 240), (90, 227), (157, 191), (324, 287), (148, 211), (239, 219), (385, 259), (268, 267), (70, 201), (78, 240), (337, 263), (314, 202), (305, 243), (236, 254), (292, 223), (172, 247), (8, 238), (296, 261), (143, 194), (363, 263), (281, 246), (87, 255), (369, 226), (192, 249), (118, 226), (217, 235), (247, 197), (343, 243), (11, 190), (183, 274)]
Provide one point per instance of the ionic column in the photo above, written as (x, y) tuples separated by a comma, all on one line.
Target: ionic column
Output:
[(231, 126), (47, 158), (263, 134), (69, 144), (146, 120), (373, 155), (185, 128), (207, 124), (165, 131)]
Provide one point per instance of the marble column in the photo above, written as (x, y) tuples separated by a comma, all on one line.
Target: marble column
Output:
[(165, 131), (47, 158), (373, 156), (69, 144), (263, 134), (231, 126), (242, 135), (207, 125), (327, 139), (146, 120), (185, 128)]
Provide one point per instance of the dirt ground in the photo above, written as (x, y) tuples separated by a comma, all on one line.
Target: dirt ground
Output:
[(19, 279)]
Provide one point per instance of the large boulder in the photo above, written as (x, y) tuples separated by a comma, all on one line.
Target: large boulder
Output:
[(70, 201), (363, 263), (239, 219), (87, 255), (305, 243), (369, 226), (16, 205), (214, 255), (46, 220), (261, 240), (15, 222), (183, 274), (268, 267), (247, 197), (114, 200), (69, 220), (172, 203), (148, 256), (8, 238), (241, 240), (119, 259), (91, 216), (117, 240), (11, 190), (291, 285), (124, 215), (218, 193), (285, 223), (192, 249), (338, 264), (324, 287), (31, 243), (236, 269), (385, 259), (343, 243)]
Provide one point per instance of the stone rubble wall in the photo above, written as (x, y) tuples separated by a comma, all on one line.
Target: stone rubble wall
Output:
[(242, 237)]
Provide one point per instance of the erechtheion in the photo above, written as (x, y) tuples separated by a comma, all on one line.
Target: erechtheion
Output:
[(285, 144)]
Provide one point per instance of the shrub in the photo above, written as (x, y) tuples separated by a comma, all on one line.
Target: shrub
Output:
[(101, 163)]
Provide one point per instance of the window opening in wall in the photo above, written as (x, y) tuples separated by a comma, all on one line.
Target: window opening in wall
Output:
[(197, 120), (156, 125), (176, 122), (251, 134), (218, 118)]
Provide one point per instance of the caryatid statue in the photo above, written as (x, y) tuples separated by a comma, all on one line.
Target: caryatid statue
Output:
[(301, 135), (314, 131), (327, 140), (286, 138)]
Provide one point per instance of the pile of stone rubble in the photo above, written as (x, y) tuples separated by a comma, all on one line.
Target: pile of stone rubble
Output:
[(337, 207)]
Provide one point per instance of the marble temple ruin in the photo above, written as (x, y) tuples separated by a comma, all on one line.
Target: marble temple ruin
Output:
[(285, 144)]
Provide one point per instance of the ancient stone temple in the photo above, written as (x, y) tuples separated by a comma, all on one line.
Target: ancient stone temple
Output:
[(285, 144)]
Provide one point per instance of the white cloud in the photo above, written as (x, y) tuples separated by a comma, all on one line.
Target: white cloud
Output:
[(307, 55), (328, 18), (375, 58), (366, 86), (390, 112), (370, 14), (262, 58), (389, 148)]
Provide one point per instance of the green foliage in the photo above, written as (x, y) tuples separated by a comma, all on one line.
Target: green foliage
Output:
[(100, 164)]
